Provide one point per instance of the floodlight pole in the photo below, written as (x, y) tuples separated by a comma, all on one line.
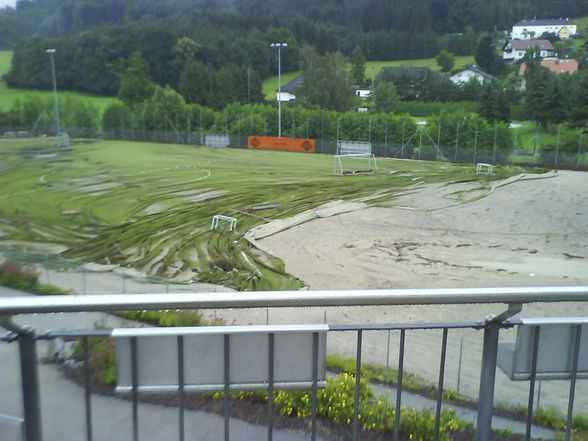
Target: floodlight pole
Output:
[(51, 53), (279, 46)]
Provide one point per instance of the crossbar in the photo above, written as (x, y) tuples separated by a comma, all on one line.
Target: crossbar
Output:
[(216, 300)]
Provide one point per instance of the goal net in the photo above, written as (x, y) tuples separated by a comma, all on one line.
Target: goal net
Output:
[(354, 164)]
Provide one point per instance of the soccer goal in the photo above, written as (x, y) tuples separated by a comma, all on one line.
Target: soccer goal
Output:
[(354, 164)]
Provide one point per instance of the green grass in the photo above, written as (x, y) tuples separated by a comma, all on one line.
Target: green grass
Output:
[(582, 23), (372, 68), (9, 96), (5, 59), (149, 206), (270, 85)]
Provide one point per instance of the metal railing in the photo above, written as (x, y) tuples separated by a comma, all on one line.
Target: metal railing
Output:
[(515, 298)]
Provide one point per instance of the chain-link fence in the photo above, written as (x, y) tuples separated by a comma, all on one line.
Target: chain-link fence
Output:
[(451, 143)]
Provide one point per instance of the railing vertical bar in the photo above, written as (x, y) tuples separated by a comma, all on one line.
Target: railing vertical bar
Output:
[(270, 389), (30, 386), (399, 386), (357, 386), (314, 390), (87, 390), (181, 382), (537, 330), (440, 388), (226, 390), (487, 382), (575, 356), (135, 389)]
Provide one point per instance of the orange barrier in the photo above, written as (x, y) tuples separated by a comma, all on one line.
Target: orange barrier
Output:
[(285, 144)]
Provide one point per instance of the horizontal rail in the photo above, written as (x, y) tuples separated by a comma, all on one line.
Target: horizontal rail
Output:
[(260, 299)]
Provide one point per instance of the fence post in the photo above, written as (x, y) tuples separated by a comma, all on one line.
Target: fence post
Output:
[(189, 129), (456, 143), (494, 149), (487, 377), (386, 139), (579, 155), (476, 143), (557, 145)]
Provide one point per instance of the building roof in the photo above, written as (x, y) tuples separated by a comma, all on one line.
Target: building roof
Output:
[(556, 65), (548, 22), (569, 65), (291, 85), (523, 45), (477, 71)]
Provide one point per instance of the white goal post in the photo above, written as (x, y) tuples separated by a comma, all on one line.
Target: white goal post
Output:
[(354, 164)]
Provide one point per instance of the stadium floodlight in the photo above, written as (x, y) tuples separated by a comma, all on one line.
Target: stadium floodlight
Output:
[(51, 53), (279, 46)]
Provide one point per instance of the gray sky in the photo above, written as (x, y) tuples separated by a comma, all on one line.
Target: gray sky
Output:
[(7, 3)]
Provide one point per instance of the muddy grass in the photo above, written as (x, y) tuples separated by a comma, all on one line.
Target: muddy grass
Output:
[(255, 411)]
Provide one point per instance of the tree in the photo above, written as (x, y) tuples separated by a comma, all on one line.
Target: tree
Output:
[(135, 83), (536, 94), (445, 60), (327, 81), (358, 66), (579, 101), (186, 49), (555, 101), (494, 104), (385, 97), (486, 56), (194, 83)]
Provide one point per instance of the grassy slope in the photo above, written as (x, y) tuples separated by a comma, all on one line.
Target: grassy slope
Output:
[(149, 205), (372, 69), (9, 96)]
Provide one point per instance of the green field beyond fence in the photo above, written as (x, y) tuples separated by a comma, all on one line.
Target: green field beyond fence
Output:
[(149, 205), (9, 96)]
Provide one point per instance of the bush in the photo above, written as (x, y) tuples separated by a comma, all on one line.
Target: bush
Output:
[(15, 275), (166, 318), (101, 358), (336, 402), (549, 417)]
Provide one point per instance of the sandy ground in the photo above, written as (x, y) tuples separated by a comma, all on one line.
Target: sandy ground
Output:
[(531, 232)]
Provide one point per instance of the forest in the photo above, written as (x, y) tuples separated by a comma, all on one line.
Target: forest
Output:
[(214, 53), (92, 37)]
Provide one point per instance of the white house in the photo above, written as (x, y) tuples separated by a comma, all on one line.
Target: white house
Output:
[(514, 50), (529, 29), (362, 92), (466, 74), (286, 92)]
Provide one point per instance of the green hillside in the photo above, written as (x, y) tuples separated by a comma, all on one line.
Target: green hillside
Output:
[(9, 96), (372, 69)]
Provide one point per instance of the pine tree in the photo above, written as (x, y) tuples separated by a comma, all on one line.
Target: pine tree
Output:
[(536, 95), (486, 56), (358, 66), (493, 104)]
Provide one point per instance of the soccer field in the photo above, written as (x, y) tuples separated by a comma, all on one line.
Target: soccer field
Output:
[(149, 206)]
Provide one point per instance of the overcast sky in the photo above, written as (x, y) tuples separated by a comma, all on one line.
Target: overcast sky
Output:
[(7, 3)]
